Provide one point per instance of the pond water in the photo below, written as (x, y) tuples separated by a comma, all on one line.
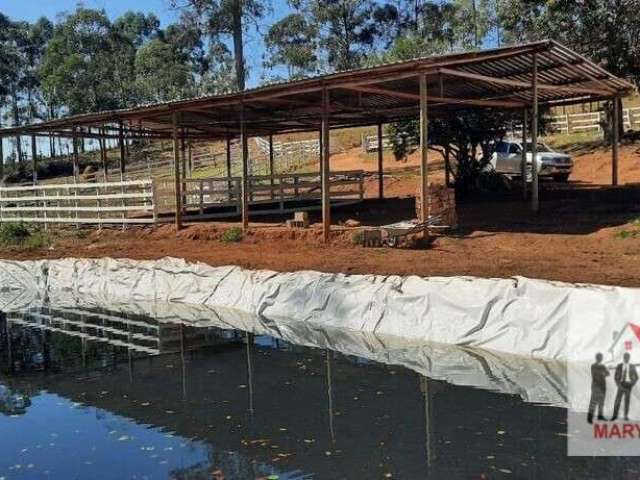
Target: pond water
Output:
[(99, 394)]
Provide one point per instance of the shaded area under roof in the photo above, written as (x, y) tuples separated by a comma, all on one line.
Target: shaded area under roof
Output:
[(497, 78)]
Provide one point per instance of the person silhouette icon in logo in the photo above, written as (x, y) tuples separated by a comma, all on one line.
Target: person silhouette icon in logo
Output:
[(599, 374), (626, 377)]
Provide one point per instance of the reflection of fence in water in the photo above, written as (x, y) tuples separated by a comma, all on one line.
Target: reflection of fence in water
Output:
[(141, 335)]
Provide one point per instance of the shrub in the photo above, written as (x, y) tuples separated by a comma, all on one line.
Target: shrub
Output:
[(20, 235), (232, 235), (12, 234)]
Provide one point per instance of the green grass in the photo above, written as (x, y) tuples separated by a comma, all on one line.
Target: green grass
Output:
[(23, 236), (633, 233), (232, 235)]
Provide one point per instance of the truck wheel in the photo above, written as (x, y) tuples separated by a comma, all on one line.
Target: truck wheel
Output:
[(563, 177)]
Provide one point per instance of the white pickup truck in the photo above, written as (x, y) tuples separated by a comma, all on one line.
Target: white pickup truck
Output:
[(507, 160)]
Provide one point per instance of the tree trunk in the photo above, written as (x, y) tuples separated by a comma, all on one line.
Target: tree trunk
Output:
[(238, 47)]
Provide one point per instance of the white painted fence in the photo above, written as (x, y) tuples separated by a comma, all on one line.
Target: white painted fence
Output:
[(80, 203)]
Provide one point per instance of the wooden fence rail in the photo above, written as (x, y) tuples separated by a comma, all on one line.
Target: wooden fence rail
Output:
[(220, 197), (80, 203)]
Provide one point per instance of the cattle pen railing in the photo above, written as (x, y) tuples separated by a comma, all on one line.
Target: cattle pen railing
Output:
[(267, 194), (122, 202), (154, 200)]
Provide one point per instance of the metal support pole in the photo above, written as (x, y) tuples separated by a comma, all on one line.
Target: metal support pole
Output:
[(244, 200), (523, 161), (615, 138), (34, 159), (380, 164), (123, 153), (424, 151), (325, 168), (176, 172), (535, 187)]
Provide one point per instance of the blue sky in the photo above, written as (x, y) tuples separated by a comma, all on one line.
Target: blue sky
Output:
[(31, 10)]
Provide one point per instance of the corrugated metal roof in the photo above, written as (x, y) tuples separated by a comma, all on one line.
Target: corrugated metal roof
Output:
[(495, 77)]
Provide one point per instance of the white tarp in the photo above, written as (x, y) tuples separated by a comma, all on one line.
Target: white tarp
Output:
[(533, 318)]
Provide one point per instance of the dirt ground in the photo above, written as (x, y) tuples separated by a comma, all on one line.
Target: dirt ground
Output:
[(584, 232)]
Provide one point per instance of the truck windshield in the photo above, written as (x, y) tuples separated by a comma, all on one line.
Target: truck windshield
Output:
[(541, 147)]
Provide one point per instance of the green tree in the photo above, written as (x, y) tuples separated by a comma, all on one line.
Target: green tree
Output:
[(292, 42), (78, 65), (161, 72), (606, 31), (219, 19), (347, 30)]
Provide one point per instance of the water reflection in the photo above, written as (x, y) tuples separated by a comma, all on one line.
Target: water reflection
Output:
[(235, 402)]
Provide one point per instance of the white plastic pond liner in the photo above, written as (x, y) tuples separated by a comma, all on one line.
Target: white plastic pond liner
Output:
[(534, 318)]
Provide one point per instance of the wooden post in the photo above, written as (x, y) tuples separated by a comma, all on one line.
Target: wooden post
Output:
[(183, 155), (325, 168), (229, 183), (1, 160), (271, 163), (424, 151), (380, 163), (176, 171), (535, 188), (123, 153), (75, 154), (228, 156), (34, 159), (244, 200), (523, 161), (615, 139), (103, 155)]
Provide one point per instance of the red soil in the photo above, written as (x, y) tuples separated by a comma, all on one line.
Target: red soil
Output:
[(574, 238)]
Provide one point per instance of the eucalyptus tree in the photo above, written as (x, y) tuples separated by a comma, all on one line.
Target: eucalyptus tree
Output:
[(161, 72), (78, 65), (222, 19), (606, 31), (292, 42)]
